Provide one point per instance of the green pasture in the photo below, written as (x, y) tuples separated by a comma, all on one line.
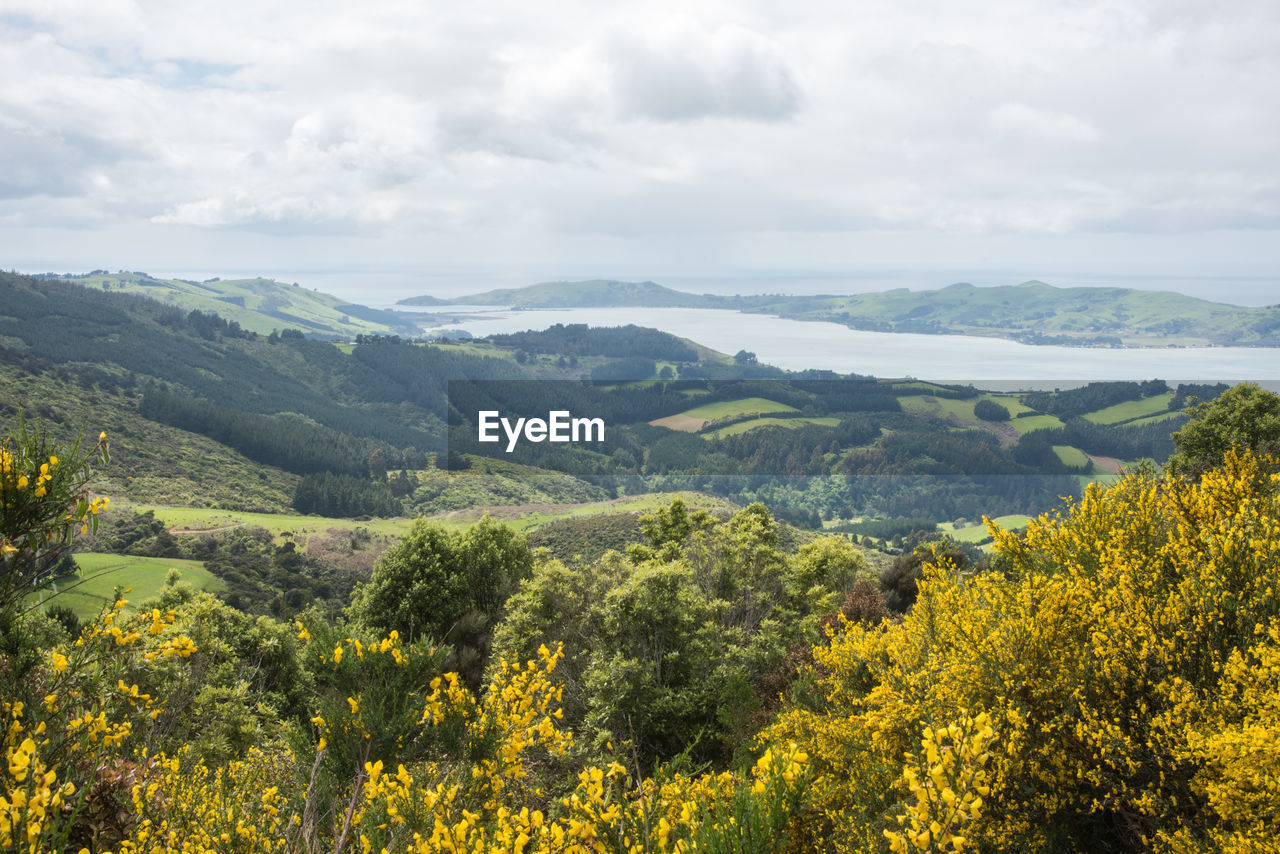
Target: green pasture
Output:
[(960, 410), (1035, 422), (527, 517), (972, 533), (744, 426), (1072, 456), (737, 408), (101, 574), (1131, 409), (209, 520), (1154, 419)]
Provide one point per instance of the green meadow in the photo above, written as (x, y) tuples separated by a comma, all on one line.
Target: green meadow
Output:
[(101, 574)]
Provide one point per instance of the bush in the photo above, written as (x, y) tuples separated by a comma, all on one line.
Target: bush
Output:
[(989, 410)]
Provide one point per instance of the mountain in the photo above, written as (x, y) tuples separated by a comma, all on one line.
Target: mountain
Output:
[(1033, 312), (258, 305)]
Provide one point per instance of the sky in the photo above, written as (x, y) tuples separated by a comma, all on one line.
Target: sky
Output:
[(436, 146)]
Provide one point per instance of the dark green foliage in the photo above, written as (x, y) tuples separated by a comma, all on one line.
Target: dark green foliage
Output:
[(65, 617), (1124, 441), (1245, 416), (989, 410), (629, 368), (577, 339), (667, 646), (1092, 397), (898, 581), (586, 538), (434, 577), (290, 443), (261, 578), (345, 496), (887, 529)]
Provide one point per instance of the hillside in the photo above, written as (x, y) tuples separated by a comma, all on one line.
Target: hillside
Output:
[(1032, 312), (259, 305)]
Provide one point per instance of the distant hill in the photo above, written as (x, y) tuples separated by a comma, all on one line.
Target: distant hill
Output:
[(597, 293), (258, 305), (1038, 313), (1032, 312)]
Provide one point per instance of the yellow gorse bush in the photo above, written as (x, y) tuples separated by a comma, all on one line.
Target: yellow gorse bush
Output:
[(489, 803), (1123, 659)]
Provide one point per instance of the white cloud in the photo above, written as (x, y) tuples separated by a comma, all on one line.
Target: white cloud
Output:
[(655, 126), (1022, 120)]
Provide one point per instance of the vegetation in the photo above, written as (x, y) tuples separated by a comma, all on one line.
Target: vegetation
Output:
[(1104, 682), (1245, 417), (988, 410)]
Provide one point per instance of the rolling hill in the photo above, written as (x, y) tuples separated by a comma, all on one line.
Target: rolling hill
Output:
[(1033, 312), (258, 304)]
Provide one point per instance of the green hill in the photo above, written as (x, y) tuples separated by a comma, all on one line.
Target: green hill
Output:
[(1032, 312), (259, 305), (1036, 312), (597, 293)]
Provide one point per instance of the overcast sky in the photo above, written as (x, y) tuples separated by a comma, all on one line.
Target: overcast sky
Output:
[(520, 141)]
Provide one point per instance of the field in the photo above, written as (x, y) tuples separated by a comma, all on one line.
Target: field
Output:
[(1072, 456), (526, 517), (196, 520), (1153, 419), (977, 533), (100, 574), (693, 420), (1132, 409), (1035, 422), (737, 408), (744, 426), (961, 410)]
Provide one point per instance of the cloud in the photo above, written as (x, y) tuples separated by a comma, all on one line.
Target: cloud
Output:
[(639, 125), (1021, 120), (685, 73)]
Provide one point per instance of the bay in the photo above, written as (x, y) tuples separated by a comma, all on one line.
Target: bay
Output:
[(798, 345)]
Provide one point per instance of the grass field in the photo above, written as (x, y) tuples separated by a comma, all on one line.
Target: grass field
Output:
[(1131, 409), (737, 408), (1035, 422), (1153, 419), (960, 410), (197, 519), (1072, 456), (978, 533), (744, 426), (528, 517), (100, 574)]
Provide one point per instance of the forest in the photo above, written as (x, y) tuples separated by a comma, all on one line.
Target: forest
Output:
[(1103, 681)]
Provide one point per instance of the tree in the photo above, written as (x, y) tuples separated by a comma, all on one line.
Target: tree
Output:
[(744, 357), (1245, 416), (430, 580), (989, 410)]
